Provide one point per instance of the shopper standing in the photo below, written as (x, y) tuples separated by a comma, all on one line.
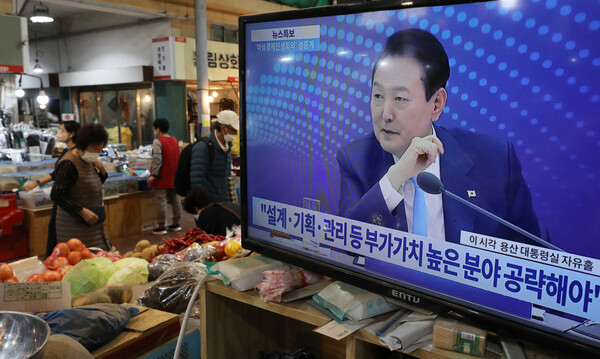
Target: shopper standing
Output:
[(211, 162), (66, 134), (77, 190), (165, 156)]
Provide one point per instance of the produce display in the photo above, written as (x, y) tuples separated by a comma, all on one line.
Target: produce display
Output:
[(144, 250), (6, 274), (101, 277), (197, 245)]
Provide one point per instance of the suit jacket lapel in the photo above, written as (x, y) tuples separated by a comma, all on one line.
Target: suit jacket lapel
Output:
[(455, 166)]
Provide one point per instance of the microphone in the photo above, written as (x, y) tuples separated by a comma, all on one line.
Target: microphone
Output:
[(431, 184)]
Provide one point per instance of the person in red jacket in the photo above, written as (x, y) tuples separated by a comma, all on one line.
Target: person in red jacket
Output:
[(165, 156)]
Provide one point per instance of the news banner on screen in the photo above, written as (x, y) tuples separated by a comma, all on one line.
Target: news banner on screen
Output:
[(528, 74)]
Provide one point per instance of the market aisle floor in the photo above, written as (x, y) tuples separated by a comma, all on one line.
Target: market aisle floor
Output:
[(127, 243)]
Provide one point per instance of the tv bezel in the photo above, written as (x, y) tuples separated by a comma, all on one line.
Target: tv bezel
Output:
[(505, 328)]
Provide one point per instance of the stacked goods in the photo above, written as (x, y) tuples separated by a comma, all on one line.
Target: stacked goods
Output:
[(63, 258)]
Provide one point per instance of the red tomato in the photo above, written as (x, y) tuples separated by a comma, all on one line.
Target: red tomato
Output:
[(59, 262), (75, 245), (35, 278), (51, 276), (74, 257), (6, 272), (63, 248)]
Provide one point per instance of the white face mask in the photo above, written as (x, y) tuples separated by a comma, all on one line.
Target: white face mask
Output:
[(229, 138), (90, 157)]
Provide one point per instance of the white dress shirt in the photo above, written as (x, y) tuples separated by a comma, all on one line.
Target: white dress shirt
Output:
[(406, 194)]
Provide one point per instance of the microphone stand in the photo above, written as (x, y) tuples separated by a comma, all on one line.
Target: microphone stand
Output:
[(503, 221), (433, 185)]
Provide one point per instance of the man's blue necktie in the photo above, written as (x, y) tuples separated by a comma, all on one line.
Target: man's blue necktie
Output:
[(419, 226)]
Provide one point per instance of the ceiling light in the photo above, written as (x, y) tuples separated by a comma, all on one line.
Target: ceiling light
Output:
[(19, 92), (37, 68), (42, 99), (215, 94), (147, 98), (41, 14)]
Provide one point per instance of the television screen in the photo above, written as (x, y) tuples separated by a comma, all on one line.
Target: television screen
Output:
[(433, 151)]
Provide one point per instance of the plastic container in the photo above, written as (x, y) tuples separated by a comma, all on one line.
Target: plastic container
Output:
[(48, 164), (36, 198), (127, 184), (111, 186), (7, 167), (39, 157), (8, 182), (190, 347), (29, 166)]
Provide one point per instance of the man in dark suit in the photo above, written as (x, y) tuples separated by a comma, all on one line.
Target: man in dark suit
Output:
[(408, 96)]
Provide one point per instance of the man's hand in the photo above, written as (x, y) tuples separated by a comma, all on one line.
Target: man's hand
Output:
[(88, 216), (151, 179), (418, 156)]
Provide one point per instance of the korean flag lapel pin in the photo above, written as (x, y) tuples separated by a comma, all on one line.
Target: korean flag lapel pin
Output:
[(471, 193)]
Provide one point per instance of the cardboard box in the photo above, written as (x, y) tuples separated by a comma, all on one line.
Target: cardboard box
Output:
[(149, 329), (35, 297)]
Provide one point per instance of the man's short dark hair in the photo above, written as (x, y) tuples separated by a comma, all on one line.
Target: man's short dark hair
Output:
[(196, 198), (71, 127), (427, 50), (91, 135), (162, 124)]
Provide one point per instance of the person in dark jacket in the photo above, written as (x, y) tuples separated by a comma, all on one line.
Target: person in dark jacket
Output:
[(66, 134), (212, 217), (165, 157), (211, 172)]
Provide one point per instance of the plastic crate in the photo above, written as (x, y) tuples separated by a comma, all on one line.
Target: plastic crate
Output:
[(190, 348)]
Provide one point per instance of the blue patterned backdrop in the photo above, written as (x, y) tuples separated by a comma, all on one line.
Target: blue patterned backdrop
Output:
[(530, 73)]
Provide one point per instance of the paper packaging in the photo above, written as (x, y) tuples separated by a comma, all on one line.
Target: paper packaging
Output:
[(459, 337), (35, 297)]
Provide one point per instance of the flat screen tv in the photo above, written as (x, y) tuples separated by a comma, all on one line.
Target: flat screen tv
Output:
[(496, 101)]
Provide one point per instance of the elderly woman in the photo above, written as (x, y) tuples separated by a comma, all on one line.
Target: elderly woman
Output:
[(66, 134), (77, 190)]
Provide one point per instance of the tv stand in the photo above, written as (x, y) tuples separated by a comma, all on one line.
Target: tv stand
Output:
[(238, 324)]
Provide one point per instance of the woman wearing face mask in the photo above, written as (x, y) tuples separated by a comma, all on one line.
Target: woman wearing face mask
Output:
[(66, 134), (77, 189)]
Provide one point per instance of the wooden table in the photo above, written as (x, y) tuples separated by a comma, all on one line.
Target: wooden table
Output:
[(239, 324)]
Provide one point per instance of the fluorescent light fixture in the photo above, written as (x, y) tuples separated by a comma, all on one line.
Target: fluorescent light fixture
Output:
[(42, 99), (41, 14), (37, 68)]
